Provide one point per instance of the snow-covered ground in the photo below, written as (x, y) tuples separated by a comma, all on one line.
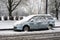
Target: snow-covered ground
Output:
[(57, 22), (9, 24), (6, 24), (11, 32)]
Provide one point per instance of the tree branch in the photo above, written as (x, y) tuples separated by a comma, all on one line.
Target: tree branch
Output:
[(16, 5), (12, 1), (7, 7)]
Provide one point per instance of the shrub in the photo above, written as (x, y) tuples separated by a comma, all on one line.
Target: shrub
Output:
[(0, 18), (5, 18), (11, 18), (16, 18), (21, 18)]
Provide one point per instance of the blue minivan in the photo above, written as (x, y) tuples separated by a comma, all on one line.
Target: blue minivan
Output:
[(38, 21)]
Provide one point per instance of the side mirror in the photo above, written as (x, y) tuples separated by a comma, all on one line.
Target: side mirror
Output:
[(32, 20)]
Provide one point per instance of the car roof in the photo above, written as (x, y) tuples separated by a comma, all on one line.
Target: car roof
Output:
[(43, 15), (30, 16), (39, 15)]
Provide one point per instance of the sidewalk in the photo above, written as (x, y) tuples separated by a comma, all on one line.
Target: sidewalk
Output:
[(57, 23), (6, 24), (9, 24)]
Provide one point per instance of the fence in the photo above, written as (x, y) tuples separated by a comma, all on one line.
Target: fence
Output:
[(5, 18)]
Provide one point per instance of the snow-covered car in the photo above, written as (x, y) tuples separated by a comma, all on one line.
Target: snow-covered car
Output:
[(38, 21)]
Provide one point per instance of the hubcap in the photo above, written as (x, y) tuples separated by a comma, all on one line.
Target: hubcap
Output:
[(26, 29), (49, 27)]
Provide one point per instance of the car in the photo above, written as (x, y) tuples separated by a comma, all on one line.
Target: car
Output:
[(38, 21)]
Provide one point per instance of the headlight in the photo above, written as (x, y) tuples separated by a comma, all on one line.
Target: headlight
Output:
[(15, 27)]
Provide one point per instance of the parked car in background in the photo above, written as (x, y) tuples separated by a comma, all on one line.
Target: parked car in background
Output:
[(39, 21)]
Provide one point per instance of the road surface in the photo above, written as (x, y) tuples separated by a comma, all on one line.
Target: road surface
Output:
[(12, 32), (32, 35)]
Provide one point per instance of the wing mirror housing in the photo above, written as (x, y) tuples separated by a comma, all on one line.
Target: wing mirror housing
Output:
[(32, 20)]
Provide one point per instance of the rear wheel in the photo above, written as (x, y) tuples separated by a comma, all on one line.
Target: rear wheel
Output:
[(26, 28), (50, 27)]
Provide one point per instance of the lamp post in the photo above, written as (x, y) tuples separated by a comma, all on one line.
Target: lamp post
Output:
[(46, 6)]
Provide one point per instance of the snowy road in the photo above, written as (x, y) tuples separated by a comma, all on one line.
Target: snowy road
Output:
[(11, 32), (39, 35)]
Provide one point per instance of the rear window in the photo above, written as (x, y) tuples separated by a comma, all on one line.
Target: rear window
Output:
[(49, 17)]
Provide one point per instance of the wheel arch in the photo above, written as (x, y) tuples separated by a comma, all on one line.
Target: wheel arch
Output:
[(27, 26), (50, 25)]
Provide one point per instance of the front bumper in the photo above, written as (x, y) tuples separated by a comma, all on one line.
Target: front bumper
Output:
[(17, 28)]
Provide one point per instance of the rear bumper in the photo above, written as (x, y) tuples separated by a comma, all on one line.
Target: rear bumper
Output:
[(53, 25)]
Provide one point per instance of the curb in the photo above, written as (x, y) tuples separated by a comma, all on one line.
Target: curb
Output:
[(6, 29), (57, 27)]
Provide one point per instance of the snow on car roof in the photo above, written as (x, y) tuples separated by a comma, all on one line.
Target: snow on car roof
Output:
[(30, 16), (43, 15), (38, 15)]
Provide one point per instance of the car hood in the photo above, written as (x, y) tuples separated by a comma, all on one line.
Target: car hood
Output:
[(20, 22), (23, 20)]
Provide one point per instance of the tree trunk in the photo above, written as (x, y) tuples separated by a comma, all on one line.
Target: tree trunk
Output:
[(57, 8), (10, 13), (46, 6), (57, 14)]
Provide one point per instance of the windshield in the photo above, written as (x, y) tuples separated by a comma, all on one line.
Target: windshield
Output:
[(27, 18)]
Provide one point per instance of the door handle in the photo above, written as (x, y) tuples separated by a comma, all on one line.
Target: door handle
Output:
[(39, 22)]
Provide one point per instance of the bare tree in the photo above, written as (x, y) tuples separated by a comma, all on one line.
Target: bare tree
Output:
[(11, 5), (55, 7)]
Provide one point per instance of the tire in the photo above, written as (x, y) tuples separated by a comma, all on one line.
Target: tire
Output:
[(50, 27), (26, 28)]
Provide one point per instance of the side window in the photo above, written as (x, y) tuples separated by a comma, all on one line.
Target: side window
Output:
[(49, 17), (36, 18), (43, 17)]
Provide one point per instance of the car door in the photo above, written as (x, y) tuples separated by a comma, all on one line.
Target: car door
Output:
[(34, 23)]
